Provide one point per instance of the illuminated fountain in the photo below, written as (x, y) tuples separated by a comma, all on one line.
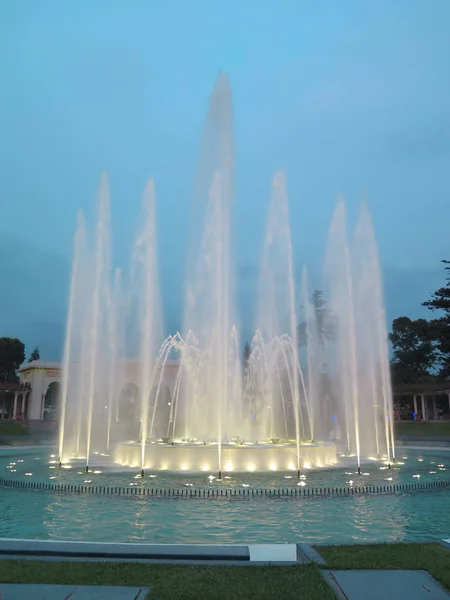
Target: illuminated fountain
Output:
[(316, 380)]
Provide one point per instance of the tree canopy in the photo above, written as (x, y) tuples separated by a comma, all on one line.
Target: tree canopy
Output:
[(325, 321), (35, 355), (414, 353), (440, 303), (247, 352), (12, 355)]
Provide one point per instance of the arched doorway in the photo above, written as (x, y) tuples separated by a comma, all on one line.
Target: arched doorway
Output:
[(51, 401)]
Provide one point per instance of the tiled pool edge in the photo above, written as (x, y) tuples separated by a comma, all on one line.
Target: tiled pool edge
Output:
[(218, 554)]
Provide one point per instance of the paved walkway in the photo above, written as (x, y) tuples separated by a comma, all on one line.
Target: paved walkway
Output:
[(25, 591), (385, 585)]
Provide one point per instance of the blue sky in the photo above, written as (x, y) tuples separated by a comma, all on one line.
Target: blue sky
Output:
[(347, 96)]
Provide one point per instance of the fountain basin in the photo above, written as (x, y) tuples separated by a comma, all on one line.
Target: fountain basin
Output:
[(237, 458)]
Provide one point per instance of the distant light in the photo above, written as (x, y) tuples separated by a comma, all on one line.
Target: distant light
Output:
[(334, 418)]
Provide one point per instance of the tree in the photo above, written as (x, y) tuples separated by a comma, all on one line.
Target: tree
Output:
[(12, 355), (440, 301), (325, 321), (247, 352), (414, 353), (35, 355)]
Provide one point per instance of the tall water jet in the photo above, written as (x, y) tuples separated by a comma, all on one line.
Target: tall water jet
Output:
[(101, 273), (338, 273), (209, 311), (277, 317), (373, 338), (145, 288), (71, 342)]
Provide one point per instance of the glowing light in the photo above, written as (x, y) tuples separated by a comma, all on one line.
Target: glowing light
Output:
[(420, 459), (366, 474), (66, 466), (228, 465), (288, 476), (52, 467), (272, 466), (291, 466), (97, 472), (388, 478), (87, 481), (251, 468), (302, 483), (307, 465), (184, 467), (417, 476), (53, 477), (350, 482), (211, 477), (245, 485), (29, 474)]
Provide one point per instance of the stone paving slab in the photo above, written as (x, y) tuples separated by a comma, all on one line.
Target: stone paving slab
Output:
[(25, 591), (385, 585)]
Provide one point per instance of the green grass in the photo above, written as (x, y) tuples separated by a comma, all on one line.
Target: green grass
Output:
[(441, 428), (11, 428), (432, 557), (183, 582)]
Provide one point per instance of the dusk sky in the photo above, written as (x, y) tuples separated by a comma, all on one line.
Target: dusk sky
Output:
[(347, 96)]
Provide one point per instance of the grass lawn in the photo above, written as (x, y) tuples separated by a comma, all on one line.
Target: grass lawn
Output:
[(12, 428), (441, 428), (182, 582), (433, 558)]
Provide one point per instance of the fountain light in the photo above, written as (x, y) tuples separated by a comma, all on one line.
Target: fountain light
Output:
[(417, 476), (302, 483)]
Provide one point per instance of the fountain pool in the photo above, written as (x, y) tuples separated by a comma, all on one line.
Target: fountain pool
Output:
[(405, 514)]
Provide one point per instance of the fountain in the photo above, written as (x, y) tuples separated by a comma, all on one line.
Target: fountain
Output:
[(317, 378)]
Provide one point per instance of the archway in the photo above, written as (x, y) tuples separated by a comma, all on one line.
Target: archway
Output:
[(51, 401), (129, 405)]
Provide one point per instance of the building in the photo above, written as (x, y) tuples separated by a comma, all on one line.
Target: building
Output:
[(36, 396)]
